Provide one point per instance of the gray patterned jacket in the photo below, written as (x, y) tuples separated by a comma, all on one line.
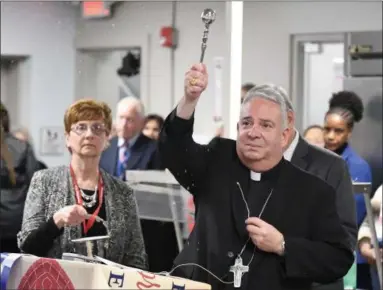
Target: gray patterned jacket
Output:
[(52, 189)]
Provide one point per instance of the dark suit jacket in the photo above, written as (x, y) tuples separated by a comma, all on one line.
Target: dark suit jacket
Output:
[(143, 155), (332, 169), (302, 208)]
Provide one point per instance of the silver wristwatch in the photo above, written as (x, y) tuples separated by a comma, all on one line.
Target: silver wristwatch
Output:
[(283, 248)]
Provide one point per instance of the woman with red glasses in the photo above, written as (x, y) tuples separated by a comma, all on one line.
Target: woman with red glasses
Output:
[(68, 202)]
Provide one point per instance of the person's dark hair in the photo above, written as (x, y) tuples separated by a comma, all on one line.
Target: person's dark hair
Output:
[(247, 86), (348, 105), (155, 117), (312, 127), (4, 118)]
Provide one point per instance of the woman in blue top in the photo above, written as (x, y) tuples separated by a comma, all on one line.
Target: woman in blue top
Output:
[(346, 109)]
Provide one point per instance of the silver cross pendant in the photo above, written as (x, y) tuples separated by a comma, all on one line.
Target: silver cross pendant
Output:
[(238, 270)]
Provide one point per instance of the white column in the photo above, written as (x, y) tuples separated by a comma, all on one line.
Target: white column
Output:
[(235, 18)]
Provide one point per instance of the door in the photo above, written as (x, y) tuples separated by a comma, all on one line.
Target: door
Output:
[(317, 72)]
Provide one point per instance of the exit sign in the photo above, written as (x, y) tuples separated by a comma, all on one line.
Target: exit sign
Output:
[(96, 9)]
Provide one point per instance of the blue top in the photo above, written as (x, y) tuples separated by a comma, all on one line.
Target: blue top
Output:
[(360, 171)]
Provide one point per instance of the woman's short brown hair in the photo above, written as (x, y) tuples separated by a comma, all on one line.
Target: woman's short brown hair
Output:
[(88, 110)]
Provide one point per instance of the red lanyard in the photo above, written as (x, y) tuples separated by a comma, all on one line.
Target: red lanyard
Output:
[(87, 224)]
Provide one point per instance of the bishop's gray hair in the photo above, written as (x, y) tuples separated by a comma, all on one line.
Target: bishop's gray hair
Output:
[(274, 94)]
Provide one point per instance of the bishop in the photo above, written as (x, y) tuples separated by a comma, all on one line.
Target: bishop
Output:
[(299, 238)]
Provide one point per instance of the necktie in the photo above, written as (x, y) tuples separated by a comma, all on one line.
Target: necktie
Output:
[(123, 160)]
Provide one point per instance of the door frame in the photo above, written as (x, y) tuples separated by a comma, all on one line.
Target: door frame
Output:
[(297, 68)]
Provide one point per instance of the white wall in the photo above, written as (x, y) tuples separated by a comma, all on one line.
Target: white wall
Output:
[(139, 24), (15, 77), (268, 26), (49, 35), (97, 77), (9, 94), (44, 31), (322, 78), (108, 82), (266, 45), (86, 75)]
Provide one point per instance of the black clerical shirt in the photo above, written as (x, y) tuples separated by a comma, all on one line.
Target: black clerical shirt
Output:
[(302, 207), (260, 190)]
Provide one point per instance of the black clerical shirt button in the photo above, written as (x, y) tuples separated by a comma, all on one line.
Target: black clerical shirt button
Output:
[(230, 254)]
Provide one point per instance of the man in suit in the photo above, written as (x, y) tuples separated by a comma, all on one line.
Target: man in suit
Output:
[(332, 169), (23, 135), (132, 150), (255, 211)]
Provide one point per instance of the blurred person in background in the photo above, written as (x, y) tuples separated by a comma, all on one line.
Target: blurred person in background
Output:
[(6, 157), (346, 109), (330, 168), (245, 88), (63, 202), (23, 135), (152, 126), (365, 237), (314, 135), (130, 149), (18, 164)]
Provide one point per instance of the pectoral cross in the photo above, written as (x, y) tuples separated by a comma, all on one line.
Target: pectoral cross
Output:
[(238, 270)]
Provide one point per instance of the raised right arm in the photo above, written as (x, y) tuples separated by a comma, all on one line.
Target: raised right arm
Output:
[(186, 160)]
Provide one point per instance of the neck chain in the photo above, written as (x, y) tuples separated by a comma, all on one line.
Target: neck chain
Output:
[(248, 216), (89, 200), (238, 261)]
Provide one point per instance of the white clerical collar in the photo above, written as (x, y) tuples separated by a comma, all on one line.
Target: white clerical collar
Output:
[(288, 154), (256, 176)]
